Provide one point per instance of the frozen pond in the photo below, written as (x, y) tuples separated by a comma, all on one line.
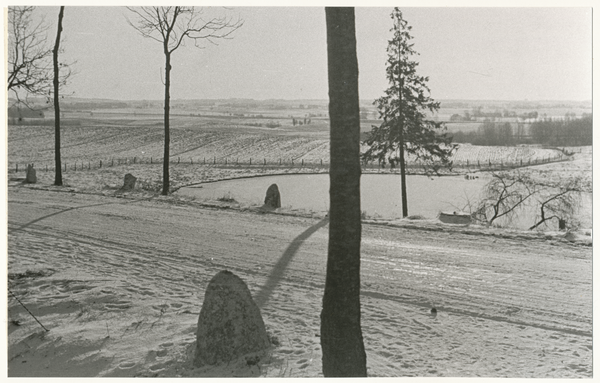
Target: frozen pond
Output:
[(380, 193)]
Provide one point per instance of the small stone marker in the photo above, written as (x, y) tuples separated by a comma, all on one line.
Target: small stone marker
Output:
[(273, 198), (129, 182), (230, 324), (562, 224), (30, 178)]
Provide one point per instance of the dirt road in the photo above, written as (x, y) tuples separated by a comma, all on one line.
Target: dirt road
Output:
[(122, 280)]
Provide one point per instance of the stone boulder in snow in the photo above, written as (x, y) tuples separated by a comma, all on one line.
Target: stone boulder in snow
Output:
[(30, 178), (128, 182), (230, 324), (273, 198)]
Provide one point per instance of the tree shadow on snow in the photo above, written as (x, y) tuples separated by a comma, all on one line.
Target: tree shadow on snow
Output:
[(278, 270), (74, 208)]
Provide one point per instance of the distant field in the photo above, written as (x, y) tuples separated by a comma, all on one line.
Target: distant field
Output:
[(207, 141)]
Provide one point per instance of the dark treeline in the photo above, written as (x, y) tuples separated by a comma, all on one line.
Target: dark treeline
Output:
[(553, 132)]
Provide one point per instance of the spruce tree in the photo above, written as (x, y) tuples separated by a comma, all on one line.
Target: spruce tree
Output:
[(404, 109)]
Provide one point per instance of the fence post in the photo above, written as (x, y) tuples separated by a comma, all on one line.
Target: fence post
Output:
[(134, 160), (100, 163), (46, 168), (151, 160), (303, 162), (17, 168), (280, 161), (265, 162), (192, 160), (214, 160), (321, 162), (250, 161)]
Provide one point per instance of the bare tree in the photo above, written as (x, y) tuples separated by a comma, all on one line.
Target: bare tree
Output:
[(341, 334), (560, 200), (508, 192), (57, 162), (172, 26), (30, 66), (504, 194)]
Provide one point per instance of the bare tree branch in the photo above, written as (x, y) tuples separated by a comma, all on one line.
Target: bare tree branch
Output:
[(30, 69), (172, 25)]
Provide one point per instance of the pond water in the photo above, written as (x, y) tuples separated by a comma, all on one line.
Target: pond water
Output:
[(380, 193), (380, 196)]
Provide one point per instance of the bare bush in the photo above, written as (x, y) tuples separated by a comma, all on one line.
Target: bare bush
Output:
[(508, 192)]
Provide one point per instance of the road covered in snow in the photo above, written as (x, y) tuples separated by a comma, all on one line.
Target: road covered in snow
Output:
[(119, 283)]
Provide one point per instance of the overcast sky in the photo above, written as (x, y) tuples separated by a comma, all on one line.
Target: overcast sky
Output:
[(468, 53)]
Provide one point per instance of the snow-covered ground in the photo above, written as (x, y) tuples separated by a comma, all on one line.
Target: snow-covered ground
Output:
[(118, 278), (119, 283)]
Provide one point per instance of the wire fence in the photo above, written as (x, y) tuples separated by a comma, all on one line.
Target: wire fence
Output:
[(472, 165)]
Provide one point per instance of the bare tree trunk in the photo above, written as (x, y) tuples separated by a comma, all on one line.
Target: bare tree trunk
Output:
[(165, 189), (341, 335), (57, 164), (403, 179), (401, 145)]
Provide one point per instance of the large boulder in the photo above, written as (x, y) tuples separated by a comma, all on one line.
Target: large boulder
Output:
[(30, 177), (273, 198), (230, 324), (128, 182)]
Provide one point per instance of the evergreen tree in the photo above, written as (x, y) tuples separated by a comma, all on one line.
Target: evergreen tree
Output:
[(403, 108)]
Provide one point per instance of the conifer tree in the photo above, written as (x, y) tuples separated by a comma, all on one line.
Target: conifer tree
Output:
[(404, 108)]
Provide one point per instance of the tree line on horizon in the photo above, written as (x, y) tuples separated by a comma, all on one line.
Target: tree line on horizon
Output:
[(569, 131)]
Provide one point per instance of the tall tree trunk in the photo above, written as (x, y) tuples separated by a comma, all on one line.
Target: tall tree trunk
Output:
[(341, 335), (401, 146), (57, 164), (403, 175), (165, 189)]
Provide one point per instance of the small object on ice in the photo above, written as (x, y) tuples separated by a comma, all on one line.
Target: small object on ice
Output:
[(273, 198), (433, 311)]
